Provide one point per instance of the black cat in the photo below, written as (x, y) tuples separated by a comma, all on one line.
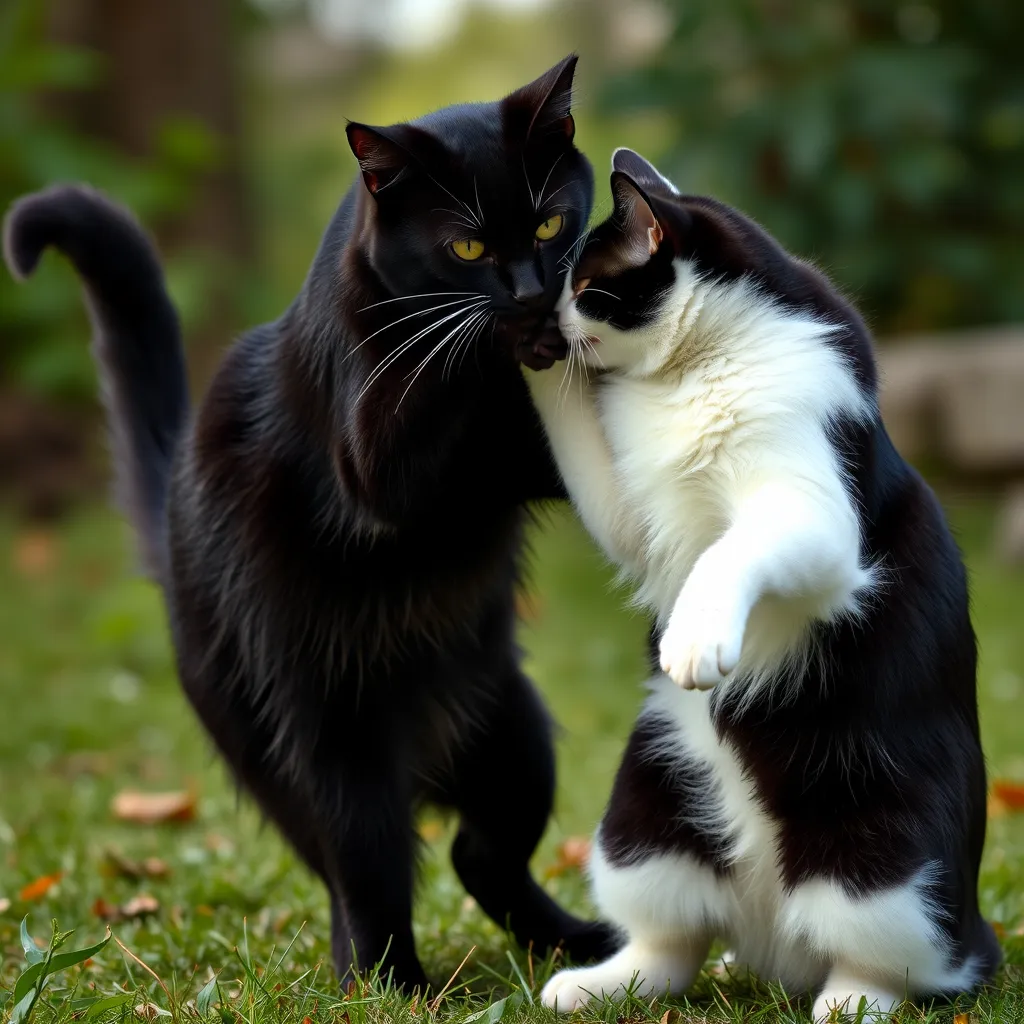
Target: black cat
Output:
[(337, 530)]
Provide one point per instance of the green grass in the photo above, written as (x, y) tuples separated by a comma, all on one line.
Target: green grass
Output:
[(90, 706)]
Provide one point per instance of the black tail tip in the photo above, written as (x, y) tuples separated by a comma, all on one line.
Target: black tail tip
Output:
[(41, 219)]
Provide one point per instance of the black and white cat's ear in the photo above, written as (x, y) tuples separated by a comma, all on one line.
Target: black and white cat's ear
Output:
[(643, 172), (642, 233), (544, 107), (382, 160)]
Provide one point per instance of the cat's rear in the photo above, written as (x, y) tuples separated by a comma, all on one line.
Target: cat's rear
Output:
[(821, 804)]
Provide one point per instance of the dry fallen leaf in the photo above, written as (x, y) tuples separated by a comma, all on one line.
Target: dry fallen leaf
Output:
[(150, 808), (35, 553), (40, 887), (572, 855), (148, 1011), (1009, 793), (670, 1017), (138, 906), (962, 1018), (996, 807), (152, 867)]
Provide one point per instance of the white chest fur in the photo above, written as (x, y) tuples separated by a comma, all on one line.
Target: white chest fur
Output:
[(703, 467)]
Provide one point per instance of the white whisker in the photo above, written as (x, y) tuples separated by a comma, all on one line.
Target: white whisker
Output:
[(406, 345), (540, 194), (476, 192), (465, 206), (529, 187), (402, 319), (406, 298), (430, 355), (601, 291), (449, 360)]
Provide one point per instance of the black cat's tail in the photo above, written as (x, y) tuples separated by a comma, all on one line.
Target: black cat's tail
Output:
[(136, 339)]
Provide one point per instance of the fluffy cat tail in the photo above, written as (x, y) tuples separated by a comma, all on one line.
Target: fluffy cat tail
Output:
[(136, 340)]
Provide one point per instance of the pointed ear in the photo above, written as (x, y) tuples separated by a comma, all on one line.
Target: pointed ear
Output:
[(542, 108), (382, 160), (641, 231), (642, 171)]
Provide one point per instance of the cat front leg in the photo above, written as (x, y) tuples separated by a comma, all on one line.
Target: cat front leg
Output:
[(580, 448), (794, 542)]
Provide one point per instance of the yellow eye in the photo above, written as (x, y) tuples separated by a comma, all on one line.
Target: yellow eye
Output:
[(550, 227), (468, 248)]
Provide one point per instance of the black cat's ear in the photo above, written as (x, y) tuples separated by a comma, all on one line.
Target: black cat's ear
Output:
[(641, 231), (381, 159), (542, 109), (642, 171)]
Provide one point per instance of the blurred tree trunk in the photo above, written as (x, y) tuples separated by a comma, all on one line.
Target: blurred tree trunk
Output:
[(173, 59)]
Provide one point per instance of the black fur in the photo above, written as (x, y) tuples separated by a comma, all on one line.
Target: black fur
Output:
[(875, 767), (343, 545)]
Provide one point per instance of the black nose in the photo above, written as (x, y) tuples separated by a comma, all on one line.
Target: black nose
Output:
[(527, 287)]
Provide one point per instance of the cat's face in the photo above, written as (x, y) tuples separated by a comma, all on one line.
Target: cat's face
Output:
[(475, 208), (625, 291)]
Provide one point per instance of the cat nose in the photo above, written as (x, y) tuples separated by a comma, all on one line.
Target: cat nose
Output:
[(527, 287)]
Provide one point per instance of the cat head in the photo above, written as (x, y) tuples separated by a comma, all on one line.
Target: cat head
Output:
[(623, 306), (473, 210)]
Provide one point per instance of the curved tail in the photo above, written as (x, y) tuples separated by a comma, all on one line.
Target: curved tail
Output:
[(136, 340)]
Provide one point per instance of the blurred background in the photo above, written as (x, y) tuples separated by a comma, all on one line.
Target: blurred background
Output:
[(882, 139)]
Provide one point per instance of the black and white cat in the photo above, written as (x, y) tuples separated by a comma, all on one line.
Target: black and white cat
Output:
[(813, 789)]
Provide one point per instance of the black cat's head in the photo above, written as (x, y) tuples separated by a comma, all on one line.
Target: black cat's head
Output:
[(639, 272), (472, 210)]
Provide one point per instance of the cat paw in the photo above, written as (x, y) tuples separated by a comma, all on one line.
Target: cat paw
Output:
[(867, 1005), (569, 990), (701, 647)]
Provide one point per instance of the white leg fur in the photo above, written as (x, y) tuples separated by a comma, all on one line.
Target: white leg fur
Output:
[(581, 450), (646, 969), (841, 997), (785, 540)]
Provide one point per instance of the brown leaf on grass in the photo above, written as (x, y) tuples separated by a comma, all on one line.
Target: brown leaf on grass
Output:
[(35, 553), (670, 1017), (151, 808), (1010, 794), (114, 864), (962, 1018), (572, 855), (138, 906), (40, 887), (148, 1011)]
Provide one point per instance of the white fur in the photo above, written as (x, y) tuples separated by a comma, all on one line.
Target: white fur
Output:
[(700, 463)]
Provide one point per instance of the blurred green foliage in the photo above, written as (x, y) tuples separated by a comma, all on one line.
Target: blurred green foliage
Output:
[(883, 140), (43, 348)]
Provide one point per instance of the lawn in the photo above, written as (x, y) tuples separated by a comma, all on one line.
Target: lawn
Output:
[(91, 707)]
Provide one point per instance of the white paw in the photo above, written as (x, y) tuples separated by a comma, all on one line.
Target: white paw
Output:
[(840, 1005), (702, 644), (569, 990)]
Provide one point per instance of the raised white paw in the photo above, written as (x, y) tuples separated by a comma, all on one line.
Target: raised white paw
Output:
[(702, 644)]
